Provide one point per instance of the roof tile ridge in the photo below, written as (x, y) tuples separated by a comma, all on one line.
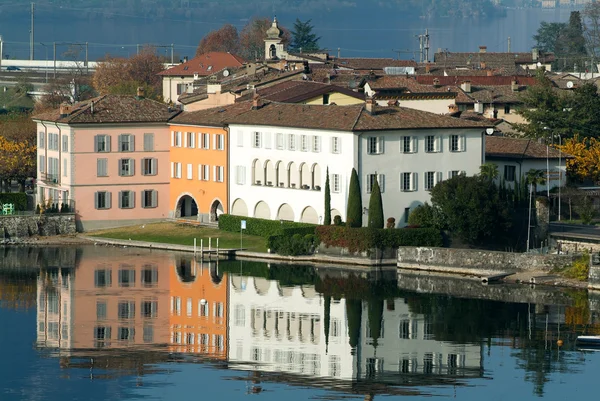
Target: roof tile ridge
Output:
[(87, 106), (360, 111)]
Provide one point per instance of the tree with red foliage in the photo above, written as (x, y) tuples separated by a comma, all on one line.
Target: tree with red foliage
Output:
[(224, 39)]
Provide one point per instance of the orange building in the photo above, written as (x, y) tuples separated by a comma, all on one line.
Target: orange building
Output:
[(199, 299), (199, 162)]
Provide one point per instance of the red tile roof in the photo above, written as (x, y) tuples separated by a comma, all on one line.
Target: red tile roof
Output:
[(299, 91), (204, 64), (213, 117), (477, 80), (372, 63), (516, 148), (112, 109)]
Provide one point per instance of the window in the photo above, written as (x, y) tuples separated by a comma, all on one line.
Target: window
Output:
[(220, 142), (404, 328), (454, 145), (336, 145), (256, 140), (65, 143), (190, 139), (335, 183), (206, 141), (102, 200), (303, 143), (101, 310), (126, 199), (126, 167), (453, 173), (149, 198), (239, 314), (102, 333), (429, 180), (126, 143), (280, 143), (240, 175), (371, 181), (218, 309), (189, 307), (52, 141), (102, 143), (126, 310), (218, 342), (204, 172), (409, 144), (42, 164), (408, 182), (176, 306), (102, 278), (292, 142), (41, 140), (148, 334), (149, 166), (53, 168), (175, 170), (149, 142), (326, 98), (176, 139), (316, 143), (181, 88), (149, 276), (149, 309), (126, 333), (507, 109), (65, 170), (218, 173), (126, 277), (240, 139), (430, 143), (375, 145), (190, 174), (509, 173), (202, 308)]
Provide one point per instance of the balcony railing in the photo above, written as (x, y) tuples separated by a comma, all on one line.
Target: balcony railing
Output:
[(49, 178)]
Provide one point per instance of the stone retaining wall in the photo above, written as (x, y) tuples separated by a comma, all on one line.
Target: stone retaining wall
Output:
[(17, 227), (594, 277), (470, 260)]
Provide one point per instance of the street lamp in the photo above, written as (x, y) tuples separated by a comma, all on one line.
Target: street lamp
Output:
[(46, 68)]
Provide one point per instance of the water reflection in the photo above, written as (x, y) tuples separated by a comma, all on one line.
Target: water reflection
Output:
[(125, 312)]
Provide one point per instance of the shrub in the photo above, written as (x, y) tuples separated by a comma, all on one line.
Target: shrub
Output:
[(292, 245), (19, 199), (354, 213), (422, 216), (38, 210), (364, 239), (391, 223), (262, 227), (337, 220), (580, 268)]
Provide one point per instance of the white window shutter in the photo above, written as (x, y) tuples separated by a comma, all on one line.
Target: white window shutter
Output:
[(154, 196), (108, 200), (132, 165), (214, 141), (415, 182), (199, 171), (367, 184), (214, 173), (267, 140), (240, 139), (438, 144), (463, 143), (414, 144), (381, 182), (132, 199), (438, 177), (449, 174), (381, 145), (463, 172)]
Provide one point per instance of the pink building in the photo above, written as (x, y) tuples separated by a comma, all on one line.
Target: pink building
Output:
[(108, 158)]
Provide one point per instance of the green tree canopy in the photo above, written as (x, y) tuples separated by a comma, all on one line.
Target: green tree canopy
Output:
[(303, 38), (375, 207), (548, 36)]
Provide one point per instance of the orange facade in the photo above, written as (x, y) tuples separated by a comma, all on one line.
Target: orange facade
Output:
[(198, 318), (198, 184)]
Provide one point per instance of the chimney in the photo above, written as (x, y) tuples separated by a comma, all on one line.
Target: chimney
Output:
[(436, 83), (140, 92), (452, 108), (257, 102), (427, 68), (370, 106), (466, 86), (482, 65), (490, 73), (92, 107), (482, 49), (392, 103), (64, 110), (306, 67), (327, 79), (535, 54), (514, 85)]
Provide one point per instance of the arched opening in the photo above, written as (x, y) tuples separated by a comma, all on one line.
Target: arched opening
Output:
[(216, 209), (335, 212), (279, 175), (292, 173), (258, 173), (186, 207), (309, 215), (270, 176), (305, 176), (285, 212), (185, 270), (316, 177), (262, 210), (239, 208), (272, 51), (215, 277)]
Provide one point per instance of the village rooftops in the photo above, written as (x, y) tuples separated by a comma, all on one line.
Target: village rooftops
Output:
[(110, 109), (204, 64), (261, 112), (517, 148), (372, 63), (299, 91)]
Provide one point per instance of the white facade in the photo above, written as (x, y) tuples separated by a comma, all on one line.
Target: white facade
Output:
[(406, 345), (513, 170), (173, 87), (279, 173), (409, 162), (280, 329), (55, 309), (55, 162)]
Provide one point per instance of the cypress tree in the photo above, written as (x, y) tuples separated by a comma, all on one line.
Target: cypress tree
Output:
[(327, 321), (375, 313), (375, 207), (354, 316), (354, 214), (327, 218)]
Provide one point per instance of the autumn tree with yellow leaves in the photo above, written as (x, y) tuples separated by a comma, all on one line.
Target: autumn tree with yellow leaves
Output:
[(585, 164), (18, 150)]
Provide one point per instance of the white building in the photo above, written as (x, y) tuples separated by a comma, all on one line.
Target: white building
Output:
[(280, 329), (279, 155)]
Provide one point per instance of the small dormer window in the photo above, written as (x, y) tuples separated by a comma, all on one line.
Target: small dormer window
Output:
[(209, 68), (185, 68)]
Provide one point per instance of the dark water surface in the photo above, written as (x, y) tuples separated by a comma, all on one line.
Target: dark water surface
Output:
[(357, 31), (97, 323)]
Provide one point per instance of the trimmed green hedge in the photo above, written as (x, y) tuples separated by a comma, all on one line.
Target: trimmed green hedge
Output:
[(262, 227), (19, 199), (293, 245), (364, 239)]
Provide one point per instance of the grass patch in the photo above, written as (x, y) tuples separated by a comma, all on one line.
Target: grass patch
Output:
[(578, 270), (182, 234)]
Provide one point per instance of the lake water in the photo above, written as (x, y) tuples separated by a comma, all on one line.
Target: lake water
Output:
[(358, 31), (97, 323)]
